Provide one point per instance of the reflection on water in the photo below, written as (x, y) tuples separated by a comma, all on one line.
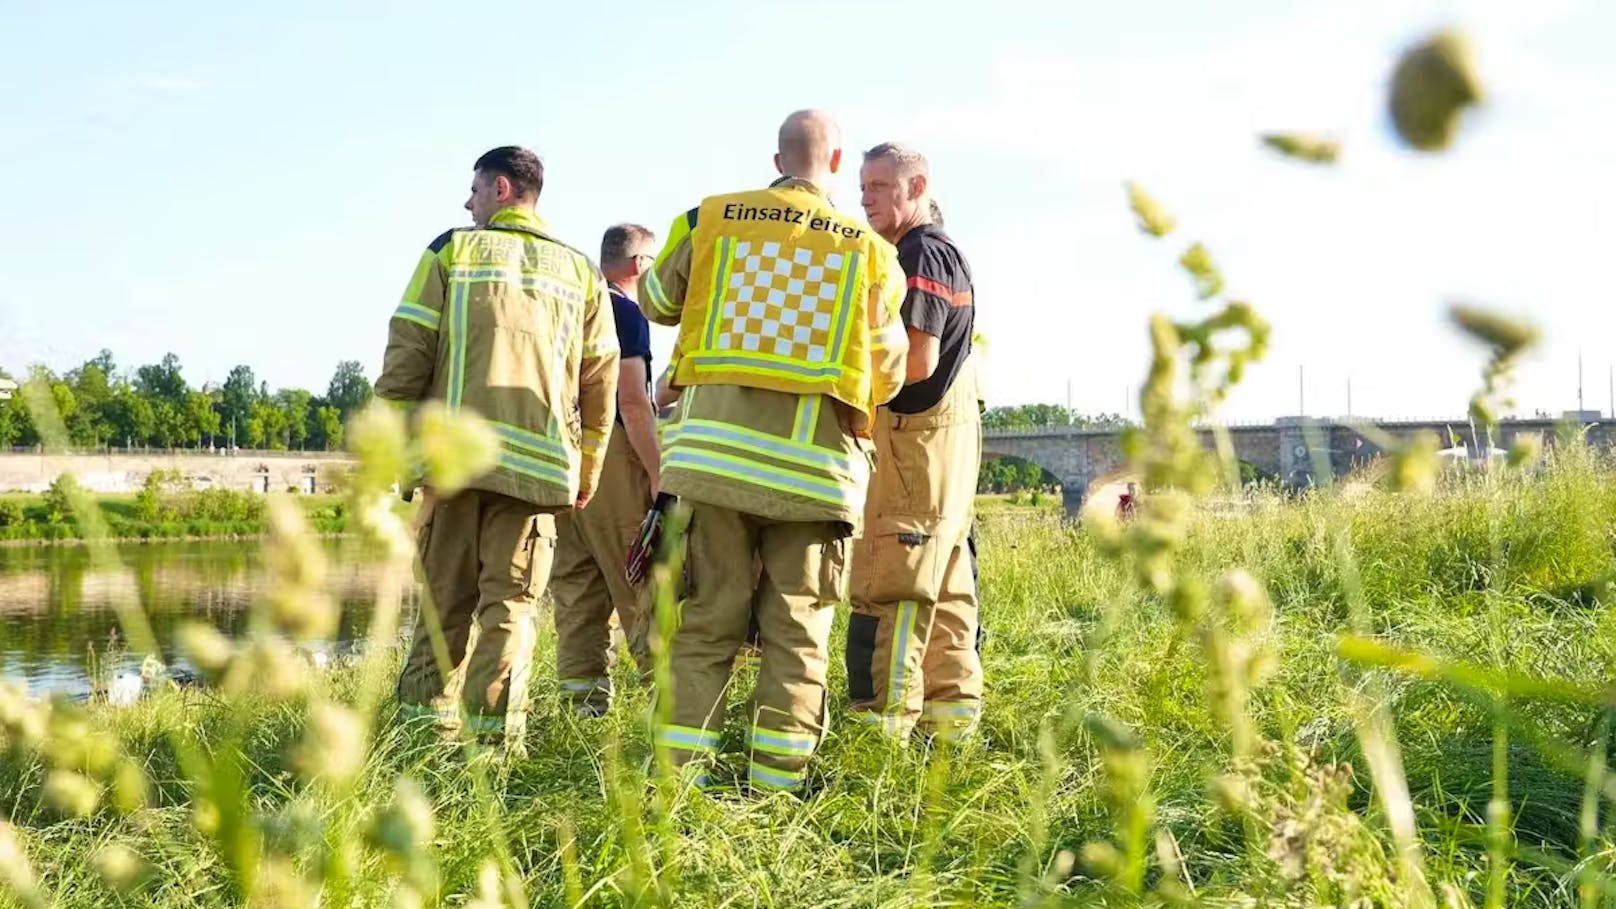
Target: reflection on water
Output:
[(57, 618)]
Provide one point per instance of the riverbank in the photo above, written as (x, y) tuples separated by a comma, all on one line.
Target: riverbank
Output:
[(42, 520)]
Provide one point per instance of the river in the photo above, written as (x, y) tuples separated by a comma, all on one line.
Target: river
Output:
[(58, 628)]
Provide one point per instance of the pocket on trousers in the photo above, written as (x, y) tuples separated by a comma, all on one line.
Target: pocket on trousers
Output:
[(905, 562), (540, 544), (833, 574)]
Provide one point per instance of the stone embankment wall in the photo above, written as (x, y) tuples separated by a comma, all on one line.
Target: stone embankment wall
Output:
[(114, 472)]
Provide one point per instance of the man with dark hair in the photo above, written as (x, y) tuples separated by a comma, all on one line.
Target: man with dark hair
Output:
[(520, 167), (588, 583), (505, 322), (912, 659)]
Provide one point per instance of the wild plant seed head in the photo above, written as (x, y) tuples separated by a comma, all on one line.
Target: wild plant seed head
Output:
[(334, 745), (405, 826), (130, 788), (488, 888), (1153, 219), (75, 743), (120, 867), (1432, 85), (277, 884), (1245, 600), (1414, 463), (206, 648), (1102, 860), (1231, 792), (378, 439), (1526, 450), (22, 722), (456, 447), (1507, 336), (74, 795), (1308, 147), (268, 668), (16, 872), (1197, 260)]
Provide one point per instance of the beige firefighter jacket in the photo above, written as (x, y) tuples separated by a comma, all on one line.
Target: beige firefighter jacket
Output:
[(516, 327)]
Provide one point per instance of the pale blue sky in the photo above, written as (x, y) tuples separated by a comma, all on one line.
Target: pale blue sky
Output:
[(253, 183)]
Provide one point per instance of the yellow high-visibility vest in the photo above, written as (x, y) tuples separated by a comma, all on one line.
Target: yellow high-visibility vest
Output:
[(787, 294)]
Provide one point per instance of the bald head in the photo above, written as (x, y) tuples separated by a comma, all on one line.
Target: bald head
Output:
[(810, 146)]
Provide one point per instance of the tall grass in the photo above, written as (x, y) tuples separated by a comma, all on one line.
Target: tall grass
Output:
[(1005, 819)]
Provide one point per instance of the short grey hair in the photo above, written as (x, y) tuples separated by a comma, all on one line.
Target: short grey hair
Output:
[(906, 160), (620, 239)]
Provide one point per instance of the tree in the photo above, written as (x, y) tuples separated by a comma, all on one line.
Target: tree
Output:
[(237, 397), (163, 381), (349, 390), (330, 420), (1038, 416), (294, 403), (131, 417), (92, 385), (171, 424), (61, 400), (266, 428), (15, 425), (204, 417)]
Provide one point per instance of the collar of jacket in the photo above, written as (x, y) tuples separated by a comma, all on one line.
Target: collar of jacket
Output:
[(518, 216), (799, 183)]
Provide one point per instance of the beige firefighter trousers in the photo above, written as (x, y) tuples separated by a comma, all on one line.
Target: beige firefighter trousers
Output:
[(802, 578), (588, 581), (483, 555), (911, 640)]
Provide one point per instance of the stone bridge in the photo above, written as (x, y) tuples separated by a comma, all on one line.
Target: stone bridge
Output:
[(1289, 449)]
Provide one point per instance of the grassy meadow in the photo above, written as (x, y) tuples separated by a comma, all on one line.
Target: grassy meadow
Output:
[(1103, 773)]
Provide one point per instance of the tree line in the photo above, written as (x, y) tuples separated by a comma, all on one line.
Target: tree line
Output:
[(1037, 416), (104, 406)]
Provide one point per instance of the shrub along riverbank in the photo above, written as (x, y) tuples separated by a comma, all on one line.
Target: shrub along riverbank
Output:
[(157, 512)]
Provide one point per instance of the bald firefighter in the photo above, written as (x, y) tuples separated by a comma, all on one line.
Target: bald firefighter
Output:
[(588, 584), (504, 321), (911, 642), (788, 340)]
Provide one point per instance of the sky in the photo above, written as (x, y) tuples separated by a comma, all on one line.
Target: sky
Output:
[(253, 183)]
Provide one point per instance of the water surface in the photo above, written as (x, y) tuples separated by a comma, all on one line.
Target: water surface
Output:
[(59, 631)]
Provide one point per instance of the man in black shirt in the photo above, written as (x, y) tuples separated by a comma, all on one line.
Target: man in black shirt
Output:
[(588, 583), (911, 649)]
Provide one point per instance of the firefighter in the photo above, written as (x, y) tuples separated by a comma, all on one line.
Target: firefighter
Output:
[(788, 340), (588, 583), (911, 654), (503, 321)]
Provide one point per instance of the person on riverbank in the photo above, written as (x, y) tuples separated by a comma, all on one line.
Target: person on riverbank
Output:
[(504, 321), (912, 657), (588, 583), (788, 340)]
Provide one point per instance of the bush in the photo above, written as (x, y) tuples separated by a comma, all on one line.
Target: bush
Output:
[(149, 501), (11, 513), (222, 505), (59, 498)]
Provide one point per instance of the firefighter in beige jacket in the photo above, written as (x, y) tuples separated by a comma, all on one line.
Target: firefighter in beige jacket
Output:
[(503, 321), (789, 339)]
